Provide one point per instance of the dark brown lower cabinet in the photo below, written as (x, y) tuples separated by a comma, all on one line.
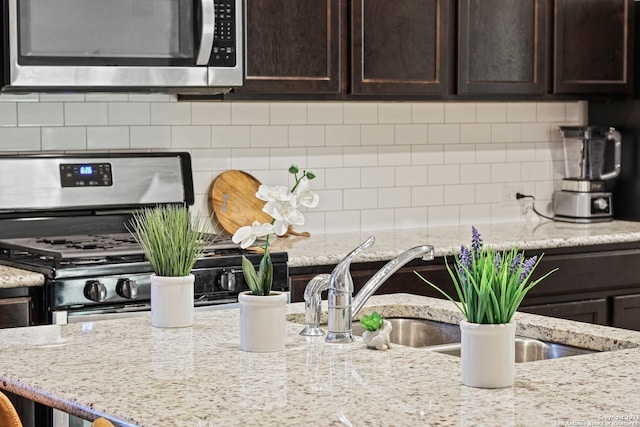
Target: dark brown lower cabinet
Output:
[(15, 312), (591, 311), (626, 312)]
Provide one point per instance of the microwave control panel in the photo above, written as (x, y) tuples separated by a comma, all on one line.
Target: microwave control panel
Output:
[(224, 43)]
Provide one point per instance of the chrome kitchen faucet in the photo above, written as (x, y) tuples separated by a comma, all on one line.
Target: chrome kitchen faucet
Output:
[(343, 307)]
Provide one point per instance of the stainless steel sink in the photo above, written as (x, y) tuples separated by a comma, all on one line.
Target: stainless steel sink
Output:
[(445, 338), (418, 332), (527, 350)]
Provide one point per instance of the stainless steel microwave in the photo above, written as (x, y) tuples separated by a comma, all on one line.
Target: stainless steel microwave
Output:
[(157, 45)]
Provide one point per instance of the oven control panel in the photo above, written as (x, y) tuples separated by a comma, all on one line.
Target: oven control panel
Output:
[(86, 175)]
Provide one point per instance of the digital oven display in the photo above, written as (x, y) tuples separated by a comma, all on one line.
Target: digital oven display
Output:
[(86, 175)]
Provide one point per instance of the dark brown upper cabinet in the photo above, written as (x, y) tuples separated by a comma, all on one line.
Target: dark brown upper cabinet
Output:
[(502, 47), (293, 46), (593, 46), (403, 47)]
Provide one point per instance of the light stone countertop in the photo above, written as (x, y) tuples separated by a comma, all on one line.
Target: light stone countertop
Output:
[(330, 248), (16, 278), (138, 375)]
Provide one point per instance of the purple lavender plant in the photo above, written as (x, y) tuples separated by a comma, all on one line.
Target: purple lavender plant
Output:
[(490, 285)]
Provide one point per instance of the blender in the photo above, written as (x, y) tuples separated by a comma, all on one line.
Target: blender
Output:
[(584, 198)]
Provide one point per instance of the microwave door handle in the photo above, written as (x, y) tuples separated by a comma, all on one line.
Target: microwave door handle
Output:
[(206, 32)]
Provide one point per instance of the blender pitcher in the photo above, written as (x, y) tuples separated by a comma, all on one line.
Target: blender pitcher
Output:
[(585, 149)]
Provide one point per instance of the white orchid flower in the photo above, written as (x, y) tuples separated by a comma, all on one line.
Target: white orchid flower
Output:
[(304, 196), (284, 214), (277, 193), (248, 234)]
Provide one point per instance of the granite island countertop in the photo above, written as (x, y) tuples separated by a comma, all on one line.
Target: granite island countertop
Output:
[(138, 375)]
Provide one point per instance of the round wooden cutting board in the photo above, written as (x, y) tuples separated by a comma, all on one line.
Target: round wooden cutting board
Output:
[(234, 201)]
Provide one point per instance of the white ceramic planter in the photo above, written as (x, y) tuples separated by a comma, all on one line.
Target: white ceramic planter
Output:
[(488, 354), (172, 301), (262, 321)]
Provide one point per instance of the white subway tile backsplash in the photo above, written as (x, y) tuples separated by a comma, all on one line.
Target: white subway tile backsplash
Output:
[(550, 112), (506, 172), (396, 197), (378, 177), (129, 113), (394, 112), (144, 137), (210, 113), (306, 136), (249, 113), (329, 113), (411, 134), (506, 132), (231, 136), (269, 136), (342, 178), (342, 221), (85, 114), (444, 134), (432, 195), (459, 154), (460, 112), (411, 175), (8, 114), (361, 113), (377, 219), (475, 173), (475, 132), (360, 199), (360, 156), (521, 112), (444, 174), (64, 138), (184, 137), (491, 112), (378, 164), (342, 135), (288, 113), (20, 139), (170, 113), (427, 112), (444, 215), (40, 114), (414, 217), (321, 157), (394, 155), (107, 137), (463, 194), (381, 135)]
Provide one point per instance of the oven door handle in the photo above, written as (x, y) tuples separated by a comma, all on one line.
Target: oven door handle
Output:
[(206, 32)]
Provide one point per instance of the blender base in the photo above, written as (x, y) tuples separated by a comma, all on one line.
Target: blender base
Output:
[(582, 207)]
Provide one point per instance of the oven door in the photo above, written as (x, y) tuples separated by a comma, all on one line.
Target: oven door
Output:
[(124, 43)]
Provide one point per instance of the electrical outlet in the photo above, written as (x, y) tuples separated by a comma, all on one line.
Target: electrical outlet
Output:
[(509, 193)]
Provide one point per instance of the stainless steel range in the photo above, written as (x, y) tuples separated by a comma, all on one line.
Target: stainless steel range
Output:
[(65, 216)]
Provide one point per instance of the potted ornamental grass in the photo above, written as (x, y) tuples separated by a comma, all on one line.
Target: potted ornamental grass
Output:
[(490, 286), (263, 311), (172, 241)]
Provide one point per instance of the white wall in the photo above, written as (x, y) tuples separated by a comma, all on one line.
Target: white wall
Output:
[(379, 165)]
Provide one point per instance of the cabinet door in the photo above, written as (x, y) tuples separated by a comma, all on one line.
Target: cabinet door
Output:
[(626, 312), (292, 46), (502, 46), (401, 47), (591, 311), (593, 46), (15, 312)]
